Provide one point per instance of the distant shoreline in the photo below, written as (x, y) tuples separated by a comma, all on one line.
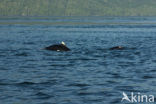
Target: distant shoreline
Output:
[(77, 20)]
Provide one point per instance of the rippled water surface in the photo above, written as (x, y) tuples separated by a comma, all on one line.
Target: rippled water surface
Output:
[(88, 74)]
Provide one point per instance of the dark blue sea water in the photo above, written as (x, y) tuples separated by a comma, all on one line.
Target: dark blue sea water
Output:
[(88, 74)]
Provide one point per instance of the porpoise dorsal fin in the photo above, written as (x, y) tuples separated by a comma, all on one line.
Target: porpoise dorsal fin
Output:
[(63, 43)]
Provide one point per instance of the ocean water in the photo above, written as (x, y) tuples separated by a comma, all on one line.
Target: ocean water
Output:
[(88, 74)]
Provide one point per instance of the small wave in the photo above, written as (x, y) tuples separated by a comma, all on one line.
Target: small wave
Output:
[(22, 83), (116, 101), (3, 83), (22, 54), (126, 88), (124, 48), (26, 83), (22, 48), (147, 77), (116, 75), (85, 59), (112, 82), (4, 68), (86, 93), (59, 65), (41, 95), (33, 83), (153, 70), (29, 43), (79, 84), (7, 50)]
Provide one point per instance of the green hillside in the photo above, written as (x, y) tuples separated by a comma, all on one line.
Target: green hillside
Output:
[(77, 8)]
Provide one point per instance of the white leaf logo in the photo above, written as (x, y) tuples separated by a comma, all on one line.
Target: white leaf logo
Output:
[(125, 97)]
